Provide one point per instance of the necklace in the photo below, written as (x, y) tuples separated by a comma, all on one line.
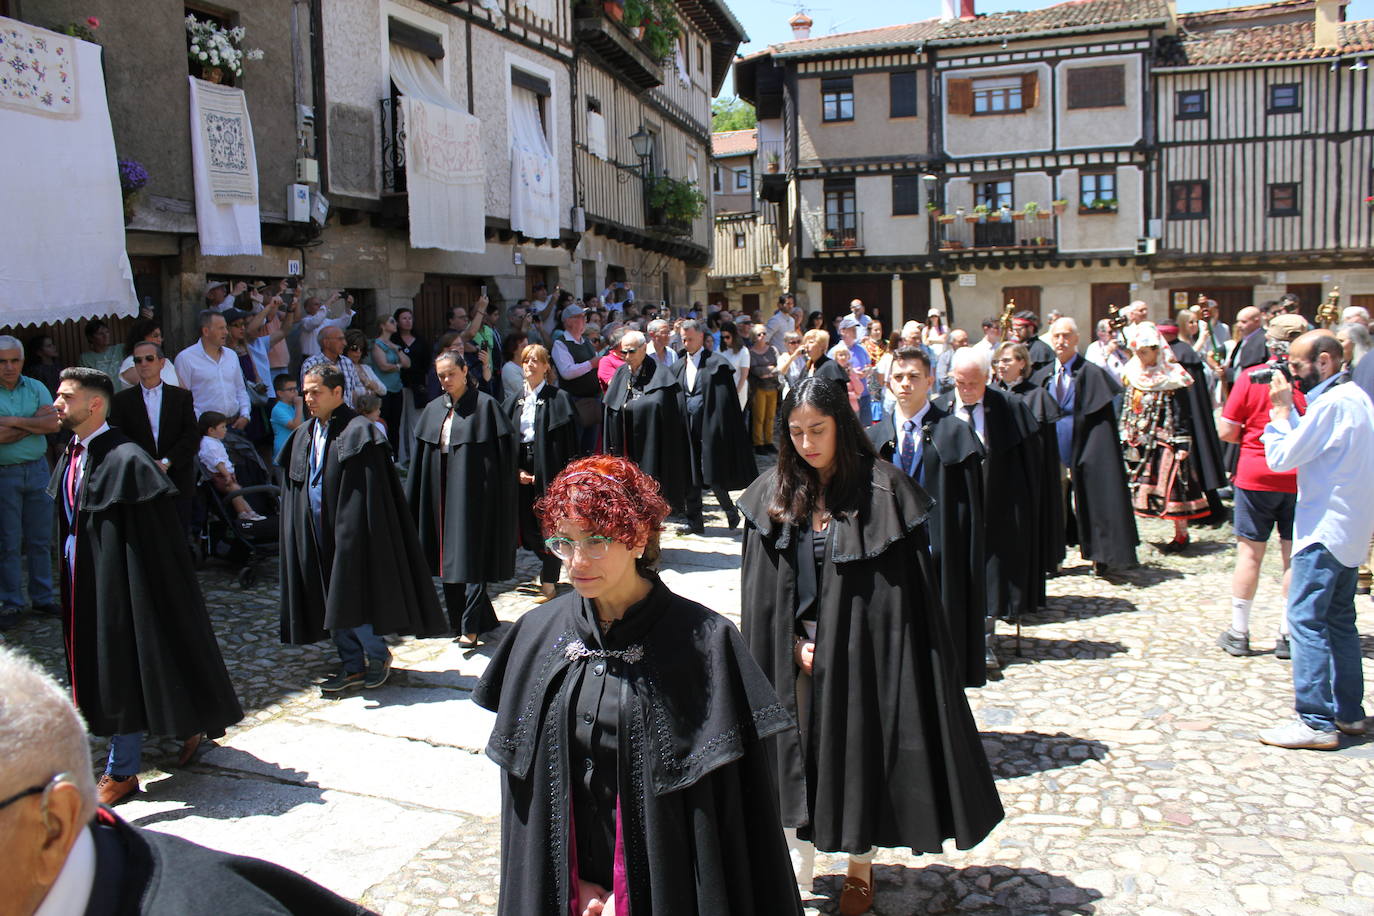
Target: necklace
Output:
[(605, 625)]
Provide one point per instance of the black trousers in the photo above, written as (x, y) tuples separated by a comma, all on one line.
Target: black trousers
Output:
[(469, 608), (531, 534), (392, 404), (693, 502)]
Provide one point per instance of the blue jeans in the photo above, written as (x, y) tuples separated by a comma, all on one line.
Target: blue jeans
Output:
[(1328, 682), (26, 517), (356, 642), (126, 755)]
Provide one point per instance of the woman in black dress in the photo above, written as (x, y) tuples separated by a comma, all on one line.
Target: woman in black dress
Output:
[(415, 394), (842, 614), (545, 422), (629, 730)]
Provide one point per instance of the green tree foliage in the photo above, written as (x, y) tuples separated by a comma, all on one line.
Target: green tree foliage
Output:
[(732, 114)]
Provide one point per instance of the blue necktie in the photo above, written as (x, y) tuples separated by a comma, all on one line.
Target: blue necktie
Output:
[(909, 448)]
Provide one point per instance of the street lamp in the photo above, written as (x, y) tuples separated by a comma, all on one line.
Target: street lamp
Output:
[(643, 143)]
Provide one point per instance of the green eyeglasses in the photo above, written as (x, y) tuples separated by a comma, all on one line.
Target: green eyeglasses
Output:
[(594, 547)]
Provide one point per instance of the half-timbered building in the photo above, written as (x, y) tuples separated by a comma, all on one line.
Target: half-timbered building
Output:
[(747, 269)]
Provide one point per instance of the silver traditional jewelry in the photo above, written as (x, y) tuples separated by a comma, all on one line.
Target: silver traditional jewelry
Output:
[(577, 649)]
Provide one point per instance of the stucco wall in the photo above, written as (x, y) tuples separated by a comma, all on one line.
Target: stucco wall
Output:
[(1097, 127), (1103, 231), (872, 132), (985, 134), (1067, 289)]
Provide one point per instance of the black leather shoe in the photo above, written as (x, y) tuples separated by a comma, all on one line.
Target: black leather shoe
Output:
[(732, 518), (692, 528)]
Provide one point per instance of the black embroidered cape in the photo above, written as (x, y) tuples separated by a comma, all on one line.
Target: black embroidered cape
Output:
[(649, 428)]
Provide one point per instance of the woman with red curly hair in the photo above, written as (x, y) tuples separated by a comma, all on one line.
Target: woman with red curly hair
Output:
[(629, 729)]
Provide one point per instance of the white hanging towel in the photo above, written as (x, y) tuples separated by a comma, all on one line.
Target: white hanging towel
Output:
[(224, 165), (445, 177), (596, 135), (62, 250), (540, 9), (534, 170)]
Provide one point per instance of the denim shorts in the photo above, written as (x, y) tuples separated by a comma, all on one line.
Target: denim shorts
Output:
[(1258, 511)]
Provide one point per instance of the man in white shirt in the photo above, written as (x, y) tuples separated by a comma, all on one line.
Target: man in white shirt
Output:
[(1107, 352), (856, 311), (212, 373), (660, 333), (779, 324), (992, 336), (1332, 448), (318, 317)]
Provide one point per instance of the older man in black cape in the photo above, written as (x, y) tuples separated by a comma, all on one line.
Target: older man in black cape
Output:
[(1099, 518), (1008, 435), (644, 419), (1050, 530), (944, 456), (462, 492), (141, 653), (722, 456), (351, 566)]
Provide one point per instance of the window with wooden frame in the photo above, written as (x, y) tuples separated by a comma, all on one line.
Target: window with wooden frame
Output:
[(1283, 199), (741, 179), (739, 240), (902, 94), (841, 209), (1190, 104), (1097, 192), (837, 98), (906, 195), (992, 95), (1097, 87), (1284, 98), (1189, 200), (995, 194)]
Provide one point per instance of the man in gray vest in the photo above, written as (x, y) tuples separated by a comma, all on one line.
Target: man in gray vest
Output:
[(576, 361)]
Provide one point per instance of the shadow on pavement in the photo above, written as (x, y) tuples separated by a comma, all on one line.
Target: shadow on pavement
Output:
[(1027, 649), (901, 891), (1078, 607), (280, 789), (1014, 754)]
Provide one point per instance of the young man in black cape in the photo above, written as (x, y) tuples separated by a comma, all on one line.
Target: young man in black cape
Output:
[(141, 653), (64, 855), (643, 419), (461, 490), (1008, 434), (944, 456), (722, 456), (350, 563), (1099, 518), (1024, 328)]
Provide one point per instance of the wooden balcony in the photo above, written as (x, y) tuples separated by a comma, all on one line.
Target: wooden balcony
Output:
[(616, 47), (1003, 238)]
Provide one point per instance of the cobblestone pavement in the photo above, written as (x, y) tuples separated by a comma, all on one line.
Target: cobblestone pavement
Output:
[(1121, 736)]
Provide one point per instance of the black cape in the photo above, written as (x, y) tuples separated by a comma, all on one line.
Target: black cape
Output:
[(141, 653), (364, 565), (827, 368), (1196, 411), (555, 431), (649, 429), (465, 501), (1041, 354), (952, 474), (1100, 520), (1050, 531), (142, 872), (722, 452), (894, 757), (701, 827)]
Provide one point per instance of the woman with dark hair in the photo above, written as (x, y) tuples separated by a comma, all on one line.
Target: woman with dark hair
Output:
[(841, 612), (629, 729), (44, 362), (815, 320), (388, 362), (413, 386), (143, 330), (733, 348), (545, 422), (1011, 365), (512, 372)]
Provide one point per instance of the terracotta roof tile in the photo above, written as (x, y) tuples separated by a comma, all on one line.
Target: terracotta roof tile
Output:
[(1287, 41), (734, 142)]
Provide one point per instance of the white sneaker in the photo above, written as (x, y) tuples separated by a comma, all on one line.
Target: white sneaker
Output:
[(1298, 735), (1356, 729)]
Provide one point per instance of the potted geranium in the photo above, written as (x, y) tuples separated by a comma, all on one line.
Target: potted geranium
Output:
[(934, 209), (1059, 206), (216, 50), (132, 178), (85, 29)]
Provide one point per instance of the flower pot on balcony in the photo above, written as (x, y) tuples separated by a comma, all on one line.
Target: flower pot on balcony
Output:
[(971, 219), (212, 74), (638, 32), (1060, 206), (614, 10), (1018, 215), (850, 242), (1044, 214), (945, 220), (772, 168), (994, 217)]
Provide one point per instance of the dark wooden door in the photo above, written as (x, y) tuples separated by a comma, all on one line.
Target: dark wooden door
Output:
[(1229, 299), (1103, 295), (438, 294), (533, 277), (750, 302), (915, 302), (1027, 298), (1310, 298), (837, 292)]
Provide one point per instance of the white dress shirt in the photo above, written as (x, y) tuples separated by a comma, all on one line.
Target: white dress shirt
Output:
[(152, 402), (974, 415), (564, 361), (312, 325), (1332, 448), (215, 384), (527, 413), (169, 373), (71, 892), (693, 365)]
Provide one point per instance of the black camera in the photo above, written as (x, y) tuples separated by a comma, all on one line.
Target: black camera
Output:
[(1265, 374)]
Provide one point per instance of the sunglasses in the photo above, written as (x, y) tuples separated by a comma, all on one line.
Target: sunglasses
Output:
[(150, 358), (626, 351)]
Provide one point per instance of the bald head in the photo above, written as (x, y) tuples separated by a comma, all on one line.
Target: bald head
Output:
[(1247, 320)]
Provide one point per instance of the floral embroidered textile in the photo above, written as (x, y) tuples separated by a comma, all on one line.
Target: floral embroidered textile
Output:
[(227, 141), (37, 70)]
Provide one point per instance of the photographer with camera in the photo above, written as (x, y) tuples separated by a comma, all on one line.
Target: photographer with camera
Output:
[(1332, 449), (1264, 499)]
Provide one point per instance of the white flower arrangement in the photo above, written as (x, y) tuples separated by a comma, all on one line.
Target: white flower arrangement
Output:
[(213, 46)]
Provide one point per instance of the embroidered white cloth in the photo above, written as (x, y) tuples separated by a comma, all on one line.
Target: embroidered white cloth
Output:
[(534, 170), (445, 176), (62, 242), (37, 70), (540, 9), (684, 75), (220, 156)]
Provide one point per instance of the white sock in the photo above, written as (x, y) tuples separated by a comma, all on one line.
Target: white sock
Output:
[(1240, 614), (1283, 624)]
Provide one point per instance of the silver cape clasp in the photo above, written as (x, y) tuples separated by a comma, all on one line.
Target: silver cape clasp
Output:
[(578, 649)]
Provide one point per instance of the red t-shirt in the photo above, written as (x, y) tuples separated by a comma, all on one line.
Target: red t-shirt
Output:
[(1248, 407)]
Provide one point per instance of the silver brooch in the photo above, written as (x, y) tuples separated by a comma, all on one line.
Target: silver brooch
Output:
[(577, 649)]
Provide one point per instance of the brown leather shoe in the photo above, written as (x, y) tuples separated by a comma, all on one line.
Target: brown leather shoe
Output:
[(110, 791), (856, 896), (188, 749)]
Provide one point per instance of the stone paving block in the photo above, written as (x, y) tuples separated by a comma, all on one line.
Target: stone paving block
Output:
[(435, 715)]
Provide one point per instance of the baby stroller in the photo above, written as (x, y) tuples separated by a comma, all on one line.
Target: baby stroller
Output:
[(220, 533)]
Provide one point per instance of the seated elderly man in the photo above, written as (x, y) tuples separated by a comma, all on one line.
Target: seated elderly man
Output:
[(56, 843)]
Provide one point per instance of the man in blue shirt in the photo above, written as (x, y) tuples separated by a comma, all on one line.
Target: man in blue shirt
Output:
[(26, 417), (1332, 448), (287, 412)]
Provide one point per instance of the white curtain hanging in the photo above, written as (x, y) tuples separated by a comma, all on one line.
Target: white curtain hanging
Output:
[(683, 74), (534, 170), (596, 135), (540, 9), (445, 178)]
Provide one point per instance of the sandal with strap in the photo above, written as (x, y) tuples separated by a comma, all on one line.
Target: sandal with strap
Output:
[(856, 897)]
